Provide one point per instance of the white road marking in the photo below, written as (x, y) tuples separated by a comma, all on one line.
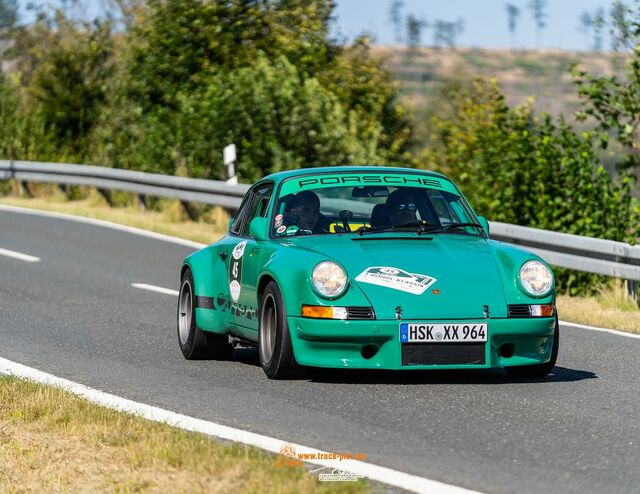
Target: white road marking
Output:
[(153, 288), (105, 224), (18, 255), (604, 330), (382, 474)]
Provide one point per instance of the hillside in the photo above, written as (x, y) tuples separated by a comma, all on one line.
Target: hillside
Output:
[(522, 73)]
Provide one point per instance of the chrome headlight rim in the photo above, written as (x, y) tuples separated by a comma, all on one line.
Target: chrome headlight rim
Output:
[(525, 284), (317, 287)]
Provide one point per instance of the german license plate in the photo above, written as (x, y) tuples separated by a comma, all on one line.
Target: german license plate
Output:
[(442, 333)]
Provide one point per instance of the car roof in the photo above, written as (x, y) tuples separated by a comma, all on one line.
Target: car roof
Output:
[(283, 175)]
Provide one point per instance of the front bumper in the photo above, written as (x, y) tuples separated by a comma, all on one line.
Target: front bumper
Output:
[(350, 344)]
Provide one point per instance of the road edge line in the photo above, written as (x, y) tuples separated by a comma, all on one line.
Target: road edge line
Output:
[(374, 472), (103, 223), (603, 330)]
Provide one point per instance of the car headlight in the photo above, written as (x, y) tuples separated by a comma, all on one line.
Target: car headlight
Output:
[(536, 278), (329, 279)]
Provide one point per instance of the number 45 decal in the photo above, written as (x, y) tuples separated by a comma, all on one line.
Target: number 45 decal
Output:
[(235, 271)]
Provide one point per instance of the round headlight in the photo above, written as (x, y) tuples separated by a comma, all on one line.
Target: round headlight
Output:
[(329, 279), (536, 278)]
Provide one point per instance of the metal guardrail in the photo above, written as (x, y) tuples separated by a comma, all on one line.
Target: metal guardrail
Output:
[(185, 189), (592, 255), (587, 254)]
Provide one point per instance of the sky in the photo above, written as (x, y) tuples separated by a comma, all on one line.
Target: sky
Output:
[(485, 21)]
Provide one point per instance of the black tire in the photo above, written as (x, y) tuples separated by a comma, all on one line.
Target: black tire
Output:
[(538, 370), (274, 340), (196, 344)]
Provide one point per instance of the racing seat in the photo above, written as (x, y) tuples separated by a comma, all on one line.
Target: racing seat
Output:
[(381, 216)]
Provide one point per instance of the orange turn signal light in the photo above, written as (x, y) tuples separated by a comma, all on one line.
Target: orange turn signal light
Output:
[(545, 310), (317, 311), (324, 312)]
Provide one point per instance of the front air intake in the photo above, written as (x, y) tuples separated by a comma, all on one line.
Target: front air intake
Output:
[(360, 313), (519, 310)]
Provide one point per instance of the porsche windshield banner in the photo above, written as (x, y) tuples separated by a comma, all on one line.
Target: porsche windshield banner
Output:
[(321, 181)]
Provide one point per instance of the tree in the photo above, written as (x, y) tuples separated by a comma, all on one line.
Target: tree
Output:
[(184, 69), (8, 13), (513, 13), (64, 69), (174, 42), (614, 101), (538, 9), (598, 26), (621, 29), (586, 25), (414, 31), (446, 32), (395, 16)]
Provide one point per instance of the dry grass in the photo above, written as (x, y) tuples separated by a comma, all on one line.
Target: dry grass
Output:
[(169, 218), (53, 441), (611, 308)]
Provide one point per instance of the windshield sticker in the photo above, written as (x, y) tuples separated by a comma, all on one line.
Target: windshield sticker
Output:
[(235, 270), (281, 229), (310, 182), (396, 279)]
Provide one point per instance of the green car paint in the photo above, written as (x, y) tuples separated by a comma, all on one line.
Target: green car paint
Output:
[(462, 278)]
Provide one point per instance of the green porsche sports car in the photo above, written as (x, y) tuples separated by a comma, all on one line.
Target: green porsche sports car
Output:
[(367, 268)]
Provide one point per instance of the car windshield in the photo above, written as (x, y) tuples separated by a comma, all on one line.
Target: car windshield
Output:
[(326, 205)]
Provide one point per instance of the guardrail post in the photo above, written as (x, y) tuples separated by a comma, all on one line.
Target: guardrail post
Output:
[(142, 201), (25, 188), (106, 194), (632, 289)]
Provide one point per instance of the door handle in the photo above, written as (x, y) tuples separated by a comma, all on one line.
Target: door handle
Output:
[(254, 251), (224, 255)]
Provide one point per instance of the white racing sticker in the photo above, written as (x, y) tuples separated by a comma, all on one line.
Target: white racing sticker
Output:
[(235, 270), (396, 279), (279, 220)]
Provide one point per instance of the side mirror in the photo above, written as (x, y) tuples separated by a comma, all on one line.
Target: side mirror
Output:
[(485, 224), (258, 228), (231, 220)]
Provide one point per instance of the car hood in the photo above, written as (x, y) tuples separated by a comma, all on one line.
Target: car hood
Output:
[(439, 277)]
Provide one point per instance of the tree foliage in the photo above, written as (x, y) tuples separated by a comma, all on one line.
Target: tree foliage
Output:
[(289, 89), (8, 13), (614, 101), (63, 69), (521, 169)]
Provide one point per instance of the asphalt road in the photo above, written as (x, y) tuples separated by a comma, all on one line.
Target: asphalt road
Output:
[(75, 315)]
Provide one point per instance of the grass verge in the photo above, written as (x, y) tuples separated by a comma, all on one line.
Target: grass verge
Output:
[(54, 441), (610, 308), (167, 217)]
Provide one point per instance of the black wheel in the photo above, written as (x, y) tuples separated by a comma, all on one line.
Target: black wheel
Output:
[(274, 346), (195, 343), (538, 370)]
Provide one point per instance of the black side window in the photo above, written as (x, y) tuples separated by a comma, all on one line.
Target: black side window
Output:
[(242, 212), (258, 208)]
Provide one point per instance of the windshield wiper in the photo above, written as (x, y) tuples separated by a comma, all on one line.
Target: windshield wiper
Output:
[(446, 228), (420, 224)]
